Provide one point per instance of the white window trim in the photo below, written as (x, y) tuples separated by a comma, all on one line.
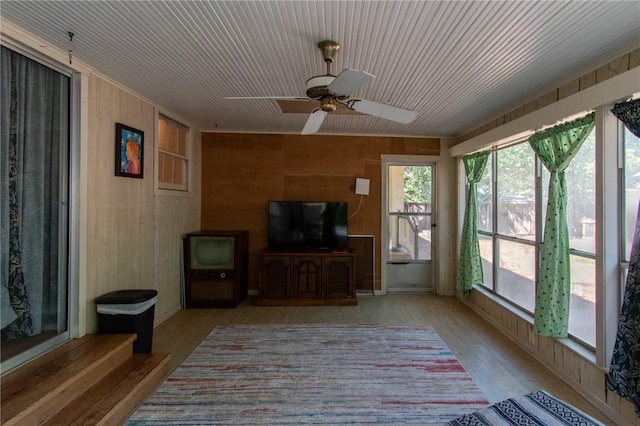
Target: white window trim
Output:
[(608, 232), (168, 189)]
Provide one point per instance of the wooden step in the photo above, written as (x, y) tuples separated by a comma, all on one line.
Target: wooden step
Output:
[(96, 379), (114, 398)]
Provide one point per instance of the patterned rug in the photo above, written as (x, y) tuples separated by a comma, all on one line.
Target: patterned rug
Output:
[(314, 374), (535, 409)]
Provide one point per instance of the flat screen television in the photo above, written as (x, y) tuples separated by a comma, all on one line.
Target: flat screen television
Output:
[(211, 252), (307, 225)]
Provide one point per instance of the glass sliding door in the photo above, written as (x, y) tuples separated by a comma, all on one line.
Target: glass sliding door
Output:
[(35, 142)]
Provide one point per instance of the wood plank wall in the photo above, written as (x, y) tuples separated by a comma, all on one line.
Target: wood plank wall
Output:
[(133, 235), (584, 376), (596, 76), (242, 172)]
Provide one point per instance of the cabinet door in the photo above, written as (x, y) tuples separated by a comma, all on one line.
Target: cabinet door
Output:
[(275, 276), (339, 276), (307, 276)]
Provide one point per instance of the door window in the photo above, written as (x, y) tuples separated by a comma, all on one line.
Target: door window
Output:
[(410, 213)]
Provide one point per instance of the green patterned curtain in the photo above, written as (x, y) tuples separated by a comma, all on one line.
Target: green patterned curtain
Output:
[(470, 264), (556, 147), (624, 373)]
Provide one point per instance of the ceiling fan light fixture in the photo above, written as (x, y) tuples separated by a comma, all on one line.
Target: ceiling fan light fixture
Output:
[(327, 105)]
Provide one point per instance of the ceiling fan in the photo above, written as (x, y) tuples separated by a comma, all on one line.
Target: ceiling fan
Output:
[(331, 91)]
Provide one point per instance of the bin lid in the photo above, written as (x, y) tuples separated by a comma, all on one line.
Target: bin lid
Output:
[(119, 297)]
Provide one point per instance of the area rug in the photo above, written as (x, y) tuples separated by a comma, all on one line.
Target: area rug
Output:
[(535, 409), (314, 374)]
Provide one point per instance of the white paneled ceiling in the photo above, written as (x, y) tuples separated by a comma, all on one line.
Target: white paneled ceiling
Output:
[(457, 64)]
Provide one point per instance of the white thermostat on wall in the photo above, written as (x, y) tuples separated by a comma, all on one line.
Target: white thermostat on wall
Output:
[(362, 186)]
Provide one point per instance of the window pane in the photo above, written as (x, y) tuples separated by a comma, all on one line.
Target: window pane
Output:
[(178, 170), (172, 138), (412, 186), (485, 198), (632, 188), (173, 161), (486, 253), (162, 134), (516, 192), (581, 191), (410, 189), (166, 168), (582, 309), (409, 237), (516, 273)]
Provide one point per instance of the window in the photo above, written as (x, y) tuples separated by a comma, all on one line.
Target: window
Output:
[(515, 181), (409, 209), (484, 191), (515, 216), (581, 221), (173, 152), (509, 233)]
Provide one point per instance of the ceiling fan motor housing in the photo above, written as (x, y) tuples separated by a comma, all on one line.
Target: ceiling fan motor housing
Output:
[(317, 86)]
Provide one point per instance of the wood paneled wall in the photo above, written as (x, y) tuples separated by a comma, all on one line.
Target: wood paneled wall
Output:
[(242, 172), (611, 69), (133, 235), (581, 374)]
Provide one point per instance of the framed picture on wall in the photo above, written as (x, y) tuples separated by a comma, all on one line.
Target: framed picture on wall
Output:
[(129, 151)]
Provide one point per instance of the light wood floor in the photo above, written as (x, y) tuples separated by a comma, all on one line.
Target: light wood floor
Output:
[(499, 367)]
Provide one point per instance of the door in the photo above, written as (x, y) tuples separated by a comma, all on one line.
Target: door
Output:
[(408, 229), (39, 250)]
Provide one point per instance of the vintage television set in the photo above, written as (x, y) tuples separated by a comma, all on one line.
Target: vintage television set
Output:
[(308, 226), (216, 265)]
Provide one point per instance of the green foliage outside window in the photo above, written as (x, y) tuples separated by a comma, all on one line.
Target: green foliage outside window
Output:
[(417, 184)]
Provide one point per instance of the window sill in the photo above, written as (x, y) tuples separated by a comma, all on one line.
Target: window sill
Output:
[(172, 193), (585, 353)]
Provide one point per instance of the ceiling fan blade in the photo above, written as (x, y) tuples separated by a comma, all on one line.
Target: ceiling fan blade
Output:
[(314, 122), (265, 97), (348, 81), (388, 112)]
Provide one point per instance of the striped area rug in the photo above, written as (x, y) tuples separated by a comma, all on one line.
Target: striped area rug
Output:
[(534, 409), (314, 374)]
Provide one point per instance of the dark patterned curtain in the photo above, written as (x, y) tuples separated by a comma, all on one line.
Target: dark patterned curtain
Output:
[(33, 103), (624, 373)]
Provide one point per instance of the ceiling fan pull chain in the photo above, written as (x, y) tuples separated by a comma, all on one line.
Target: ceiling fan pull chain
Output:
[(70, 48)]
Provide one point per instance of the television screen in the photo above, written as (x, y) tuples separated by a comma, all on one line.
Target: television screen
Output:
[(208, 252), (307, 225)]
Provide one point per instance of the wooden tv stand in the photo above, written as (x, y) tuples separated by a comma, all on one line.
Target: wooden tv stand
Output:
[(306, 278)]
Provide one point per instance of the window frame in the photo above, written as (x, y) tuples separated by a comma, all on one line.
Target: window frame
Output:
[(494, 287), (162, 188)]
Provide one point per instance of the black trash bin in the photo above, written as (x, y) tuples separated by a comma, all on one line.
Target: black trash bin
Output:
[(128, 311)]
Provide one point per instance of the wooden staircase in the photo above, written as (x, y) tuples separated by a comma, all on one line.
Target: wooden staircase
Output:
[(93, 380)]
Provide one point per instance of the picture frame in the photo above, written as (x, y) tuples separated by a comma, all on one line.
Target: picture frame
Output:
[(129, 150)]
